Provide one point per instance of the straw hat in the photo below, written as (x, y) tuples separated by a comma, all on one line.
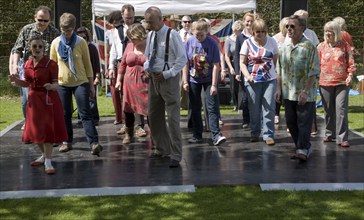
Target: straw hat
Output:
[(174, 18)]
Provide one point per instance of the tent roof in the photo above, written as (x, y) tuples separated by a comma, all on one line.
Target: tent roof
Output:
[(179, 7)]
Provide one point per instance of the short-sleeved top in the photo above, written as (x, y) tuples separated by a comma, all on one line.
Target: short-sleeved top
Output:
[(296, 63), (260, 59), (201, 57), (230, 46), (48, 35), (336, 63)]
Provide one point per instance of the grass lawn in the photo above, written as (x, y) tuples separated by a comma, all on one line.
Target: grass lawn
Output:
[(222, 202)]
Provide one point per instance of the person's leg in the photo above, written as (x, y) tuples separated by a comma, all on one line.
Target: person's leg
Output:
[(170, 93), (65, 93), (268, 107), (212, 105), (328, 102), (244, 104), (40, 160), (195, 106), (342, 102), (94, 108), (139, 125), (82, 93), (304, 122), (48, 149), (24, 99), (291, 119), (255, 108), (116, 100), (129, 123), (157, 119)]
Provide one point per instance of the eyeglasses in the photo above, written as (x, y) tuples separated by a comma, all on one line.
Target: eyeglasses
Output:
[(258, 32), (43, 20), (290, 26), (35, 46), (186, 22)]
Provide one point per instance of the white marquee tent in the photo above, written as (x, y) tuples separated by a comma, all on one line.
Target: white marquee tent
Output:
[(179, 7)]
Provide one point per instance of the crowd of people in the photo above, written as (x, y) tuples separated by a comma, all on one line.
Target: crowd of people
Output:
[(147, 61)]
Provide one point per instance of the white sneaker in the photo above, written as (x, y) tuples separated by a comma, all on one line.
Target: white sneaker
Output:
[(219, 140)]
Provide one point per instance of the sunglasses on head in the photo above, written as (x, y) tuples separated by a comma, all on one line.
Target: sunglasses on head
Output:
[(35, 46), (186, 21), (290, 26), (43, 20)]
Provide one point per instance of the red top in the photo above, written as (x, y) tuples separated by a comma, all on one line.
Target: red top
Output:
[(335, 63)]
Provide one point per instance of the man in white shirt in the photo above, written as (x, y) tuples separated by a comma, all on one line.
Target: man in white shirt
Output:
[(185, 32), (164, 85)]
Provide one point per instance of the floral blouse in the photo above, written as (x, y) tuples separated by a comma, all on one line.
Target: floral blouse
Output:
[(335, 63)]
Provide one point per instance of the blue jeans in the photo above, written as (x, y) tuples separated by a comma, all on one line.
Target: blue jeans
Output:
[(212, 105), (299, 120), (24, 99), (82, 94), (262, 108)]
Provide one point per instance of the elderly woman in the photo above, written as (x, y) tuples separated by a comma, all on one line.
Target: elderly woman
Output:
[(201, 72), (258, 56), (43, 124), (230, 43), (75, 77), (337, 69), (136, 81)]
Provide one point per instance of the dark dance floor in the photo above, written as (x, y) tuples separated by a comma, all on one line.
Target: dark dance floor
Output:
[(235, 162)]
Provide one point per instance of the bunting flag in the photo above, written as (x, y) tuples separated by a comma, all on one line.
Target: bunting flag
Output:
[(221, 28)]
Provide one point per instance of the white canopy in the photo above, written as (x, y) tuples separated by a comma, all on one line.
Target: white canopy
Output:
[(178, 7)]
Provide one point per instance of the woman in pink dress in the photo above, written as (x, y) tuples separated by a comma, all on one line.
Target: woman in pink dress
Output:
[(135, 80), (44, 122)]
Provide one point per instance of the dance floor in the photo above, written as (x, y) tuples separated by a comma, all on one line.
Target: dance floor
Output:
[(235, 162)]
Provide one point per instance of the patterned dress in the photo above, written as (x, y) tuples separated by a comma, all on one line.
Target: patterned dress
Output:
[(44, 122), (135, 85)]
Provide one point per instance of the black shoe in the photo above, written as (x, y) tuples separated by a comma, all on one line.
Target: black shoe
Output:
[(173, 163)]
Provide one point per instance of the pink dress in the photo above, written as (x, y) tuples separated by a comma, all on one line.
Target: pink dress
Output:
[(135, 85)]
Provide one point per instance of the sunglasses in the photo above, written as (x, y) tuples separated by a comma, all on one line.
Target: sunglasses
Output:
[(35, 46), (43, 20), (260, 32), (186, 21), (290, 26)]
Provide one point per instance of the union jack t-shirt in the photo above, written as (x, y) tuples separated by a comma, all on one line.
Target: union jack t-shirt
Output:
[(260, 59)]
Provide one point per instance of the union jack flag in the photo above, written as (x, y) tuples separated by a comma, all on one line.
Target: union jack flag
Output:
[(221, 28), (259, 61)]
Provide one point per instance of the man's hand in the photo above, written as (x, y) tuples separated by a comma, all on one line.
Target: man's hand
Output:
[(302, 98), (158, 76)]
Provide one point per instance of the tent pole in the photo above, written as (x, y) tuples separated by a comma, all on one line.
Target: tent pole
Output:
[(105, 52)]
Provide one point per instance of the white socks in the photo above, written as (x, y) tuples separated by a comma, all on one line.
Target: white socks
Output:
[(48, 162)]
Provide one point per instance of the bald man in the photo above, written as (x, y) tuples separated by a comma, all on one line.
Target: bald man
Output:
[(164, 88)]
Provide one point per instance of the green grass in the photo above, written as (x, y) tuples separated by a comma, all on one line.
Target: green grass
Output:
[(223, 202)]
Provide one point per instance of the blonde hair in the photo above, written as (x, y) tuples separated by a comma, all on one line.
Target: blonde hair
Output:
[(248, 14), (259, 25), (136, 31), (237, 26), (282, 26), (334, 27), (67, 21), (341, 22), (302, 13)]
